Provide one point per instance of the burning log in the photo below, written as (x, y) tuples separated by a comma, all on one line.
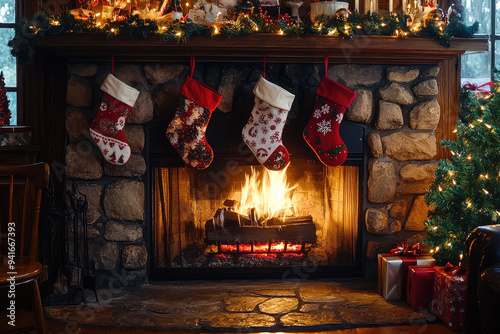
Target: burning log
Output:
[(231, 227)]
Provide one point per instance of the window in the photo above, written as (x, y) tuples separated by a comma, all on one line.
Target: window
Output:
[(7, 62), (477, 67)]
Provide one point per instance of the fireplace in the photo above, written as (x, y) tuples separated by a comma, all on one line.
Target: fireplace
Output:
[(391, 131), (201, 226)]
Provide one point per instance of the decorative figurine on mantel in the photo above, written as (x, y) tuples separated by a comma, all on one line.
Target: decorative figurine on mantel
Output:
[(295, 5), (205, 13), (456, 11)]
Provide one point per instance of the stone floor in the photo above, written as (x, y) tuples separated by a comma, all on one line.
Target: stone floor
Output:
[(247, 306)]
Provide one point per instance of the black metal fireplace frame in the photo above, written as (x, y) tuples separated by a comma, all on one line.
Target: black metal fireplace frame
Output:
[(161, 154)]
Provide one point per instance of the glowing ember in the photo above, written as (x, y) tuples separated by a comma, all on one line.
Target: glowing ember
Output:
[(261, 247), (270, 195)]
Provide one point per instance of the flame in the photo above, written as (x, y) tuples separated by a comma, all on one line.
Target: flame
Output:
[(270, 194)]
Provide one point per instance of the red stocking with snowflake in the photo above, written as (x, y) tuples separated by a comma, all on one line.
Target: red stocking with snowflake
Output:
[(187, 130), (264, 129), (322, 130), (107, 127)]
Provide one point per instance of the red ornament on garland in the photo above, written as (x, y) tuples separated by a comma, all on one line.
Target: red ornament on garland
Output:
[(4, 103)]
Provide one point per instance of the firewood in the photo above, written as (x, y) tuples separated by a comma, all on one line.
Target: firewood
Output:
[(289, 220)]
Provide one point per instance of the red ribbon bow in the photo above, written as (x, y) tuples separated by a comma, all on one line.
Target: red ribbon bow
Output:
[(455, 270), (402, 249), (473, 86)]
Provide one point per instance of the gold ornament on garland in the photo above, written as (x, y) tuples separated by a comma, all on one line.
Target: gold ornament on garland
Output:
[(342, 14)]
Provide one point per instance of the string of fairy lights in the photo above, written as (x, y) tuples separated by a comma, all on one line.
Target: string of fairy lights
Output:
[(247, 21)]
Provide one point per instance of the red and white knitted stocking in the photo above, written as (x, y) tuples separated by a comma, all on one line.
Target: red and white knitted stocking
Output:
[(187, 130), (322, 130), (264, 129), (107, 127)]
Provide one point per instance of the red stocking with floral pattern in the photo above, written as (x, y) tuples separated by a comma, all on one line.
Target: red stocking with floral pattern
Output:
[(187, 130)]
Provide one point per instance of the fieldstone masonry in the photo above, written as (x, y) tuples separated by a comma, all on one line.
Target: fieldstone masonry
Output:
[(397, 103)]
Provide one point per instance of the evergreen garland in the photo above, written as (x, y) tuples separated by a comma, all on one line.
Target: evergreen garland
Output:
[(466, 192), (249, 20)]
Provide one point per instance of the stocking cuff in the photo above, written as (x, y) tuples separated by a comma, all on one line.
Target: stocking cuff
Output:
[(273, 94), (120, 90), (200, 94), (335, 92)]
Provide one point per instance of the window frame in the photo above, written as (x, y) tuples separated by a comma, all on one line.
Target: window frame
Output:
[(15, 89), (492, 37)]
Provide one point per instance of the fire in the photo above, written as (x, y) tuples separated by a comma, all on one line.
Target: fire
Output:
[(270, 194)]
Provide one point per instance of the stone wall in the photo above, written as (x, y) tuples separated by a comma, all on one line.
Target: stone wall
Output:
[(397, 103), (402, 148)]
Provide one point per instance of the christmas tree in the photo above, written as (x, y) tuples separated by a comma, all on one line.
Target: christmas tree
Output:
[(466, 191), (4, 103)]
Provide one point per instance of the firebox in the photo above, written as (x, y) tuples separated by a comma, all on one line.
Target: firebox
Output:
[(236, 219)]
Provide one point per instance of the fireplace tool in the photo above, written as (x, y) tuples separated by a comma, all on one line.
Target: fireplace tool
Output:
[(81, 275)]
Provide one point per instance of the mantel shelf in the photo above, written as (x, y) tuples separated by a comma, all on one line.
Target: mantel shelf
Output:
[(363, 49)]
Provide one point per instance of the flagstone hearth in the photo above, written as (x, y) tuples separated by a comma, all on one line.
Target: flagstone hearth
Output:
[(254, 306)]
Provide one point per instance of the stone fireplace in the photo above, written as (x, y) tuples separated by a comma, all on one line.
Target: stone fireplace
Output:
[(407, 97), (389, 132)]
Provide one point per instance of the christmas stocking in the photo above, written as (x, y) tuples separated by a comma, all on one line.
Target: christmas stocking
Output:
[(322, 130), (187, 130), (263, 131), (107, 127)]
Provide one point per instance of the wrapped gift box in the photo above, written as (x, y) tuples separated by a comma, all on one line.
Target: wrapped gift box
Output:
[(448, 300), (420, 286), (393, 273)]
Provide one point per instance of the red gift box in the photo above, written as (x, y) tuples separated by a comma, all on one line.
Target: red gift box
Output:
[(448, 301), (420, 286)]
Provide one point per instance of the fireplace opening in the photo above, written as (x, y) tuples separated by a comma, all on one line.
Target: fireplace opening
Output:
[(236, 219)]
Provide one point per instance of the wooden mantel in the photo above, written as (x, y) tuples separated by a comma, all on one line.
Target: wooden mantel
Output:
[(363, 49), (44, 83)]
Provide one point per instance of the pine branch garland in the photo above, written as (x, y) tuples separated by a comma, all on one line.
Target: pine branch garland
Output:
[(250, 19)]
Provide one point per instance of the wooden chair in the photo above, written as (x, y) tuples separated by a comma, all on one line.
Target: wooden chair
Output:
[(20, 196)]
